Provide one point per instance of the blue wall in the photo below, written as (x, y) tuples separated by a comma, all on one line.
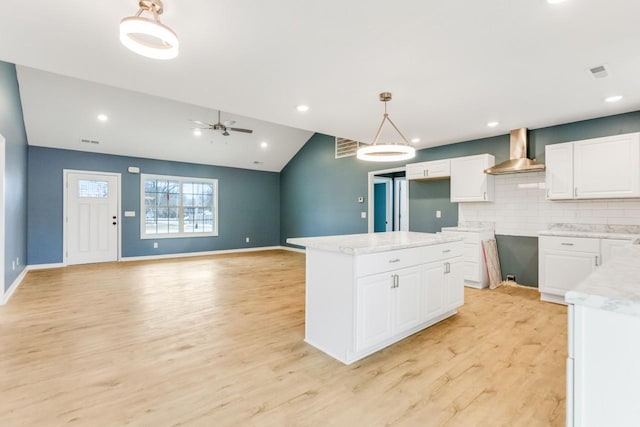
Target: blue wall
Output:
[(248, 204), (15, 176), (319, 192)]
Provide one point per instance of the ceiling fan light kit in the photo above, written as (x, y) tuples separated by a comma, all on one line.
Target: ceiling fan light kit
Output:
[(387, 152), (148, 36)]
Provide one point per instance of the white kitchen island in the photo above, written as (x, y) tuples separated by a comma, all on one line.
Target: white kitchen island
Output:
[(367, 291)]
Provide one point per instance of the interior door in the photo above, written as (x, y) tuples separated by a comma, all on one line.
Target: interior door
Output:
[(92, 218)]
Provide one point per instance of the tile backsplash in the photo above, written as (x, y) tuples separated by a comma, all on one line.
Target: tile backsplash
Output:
[(520, 208)]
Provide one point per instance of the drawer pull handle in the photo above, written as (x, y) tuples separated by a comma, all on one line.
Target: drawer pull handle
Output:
[(566, 244), (446, 250), (395, 260)]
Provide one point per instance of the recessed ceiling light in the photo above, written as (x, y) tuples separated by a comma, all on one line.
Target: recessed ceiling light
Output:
[(197, 132), (415, 140), (493, 124), (555, 1), (302, 108), (614, 98), (103, 117), (264, 144)]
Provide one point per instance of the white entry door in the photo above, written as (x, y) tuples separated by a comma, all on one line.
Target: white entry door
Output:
[(92, 217)]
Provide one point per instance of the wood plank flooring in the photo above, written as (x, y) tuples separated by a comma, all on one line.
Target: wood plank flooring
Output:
[(218, 341)]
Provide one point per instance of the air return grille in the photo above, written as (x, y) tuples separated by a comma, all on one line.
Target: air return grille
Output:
[(346, 147)]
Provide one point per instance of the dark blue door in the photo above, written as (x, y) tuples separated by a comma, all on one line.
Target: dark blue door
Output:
[(379, 207)]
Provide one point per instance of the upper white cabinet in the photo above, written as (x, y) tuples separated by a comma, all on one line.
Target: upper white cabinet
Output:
[(429, 170), (469, 183), (596, 168)]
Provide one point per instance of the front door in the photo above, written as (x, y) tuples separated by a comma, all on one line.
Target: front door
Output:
[(92, 217)]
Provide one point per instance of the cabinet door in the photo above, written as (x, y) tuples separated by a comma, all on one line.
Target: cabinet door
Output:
[(607, 167), (373, 316), (609, 248), (453, 283), (432, 298), (406, 298), (415, 171), (559, 171), (469, 183), (561, 271)]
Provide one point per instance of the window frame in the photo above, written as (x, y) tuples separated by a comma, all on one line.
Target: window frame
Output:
[(181, 234)]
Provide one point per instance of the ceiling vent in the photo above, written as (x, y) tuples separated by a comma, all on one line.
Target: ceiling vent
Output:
[(90, 141), (599, 72), (346, 147)]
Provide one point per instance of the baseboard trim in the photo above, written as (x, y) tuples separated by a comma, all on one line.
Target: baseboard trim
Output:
[(292, 249), (16, 283), (45, 266), (195, 254)]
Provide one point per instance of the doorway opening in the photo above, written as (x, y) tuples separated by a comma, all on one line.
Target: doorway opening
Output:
[(388, 201)]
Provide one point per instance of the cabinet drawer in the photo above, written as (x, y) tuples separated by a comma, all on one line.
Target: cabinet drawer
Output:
[(578, 244), (442, 251), (387, 261)]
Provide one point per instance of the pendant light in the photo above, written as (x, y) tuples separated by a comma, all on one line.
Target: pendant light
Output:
[(387, 152), (147, 36)]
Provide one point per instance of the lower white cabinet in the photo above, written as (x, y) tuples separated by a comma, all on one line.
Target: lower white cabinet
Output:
[(388, 303), (602, 368), (564, 262), (359, 304), (474, 266)]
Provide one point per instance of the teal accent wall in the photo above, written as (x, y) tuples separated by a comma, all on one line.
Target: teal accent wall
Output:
[(15, 174), (319, 192)]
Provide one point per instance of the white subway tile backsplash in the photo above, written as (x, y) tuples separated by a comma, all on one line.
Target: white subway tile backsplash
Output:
[(521, 209)]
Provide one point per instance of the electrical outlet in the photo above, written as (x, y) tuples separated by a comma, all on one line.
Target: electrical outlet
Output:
[(438, 214), (247, 239), (363, 215), (155, 245), (511, 277)]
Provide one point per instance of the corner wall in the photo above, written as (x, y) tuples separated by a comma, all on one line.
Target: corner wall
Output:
[(15, 175)]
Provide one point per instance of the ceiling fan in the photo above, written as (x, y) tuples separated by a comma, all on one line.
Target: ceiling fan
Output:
[(220, 126)]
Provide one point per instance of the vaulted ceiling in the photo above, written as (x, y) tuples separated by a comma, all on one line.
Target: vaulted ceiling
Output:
[(452, 66)]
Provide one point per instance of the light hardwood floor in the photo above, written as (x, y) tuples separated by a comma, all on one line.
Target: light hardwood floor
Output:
[(218, 341)]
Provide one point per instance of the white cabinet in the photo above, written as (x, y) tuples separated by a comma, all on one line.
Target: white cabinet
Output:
[(609, 247), (564, 262), (602, 368), (469, 183), (559, 171), (436, 169), (596, 168), (474, 267), (358, 304)]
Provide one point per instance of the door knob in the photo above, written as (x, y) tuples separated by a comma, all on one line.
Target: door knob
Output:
[(114, 217), (114, 223)]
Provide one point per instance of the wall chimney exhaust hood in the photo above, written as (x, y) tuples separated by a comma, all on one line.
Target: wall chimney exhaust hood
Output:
[(518, 161)]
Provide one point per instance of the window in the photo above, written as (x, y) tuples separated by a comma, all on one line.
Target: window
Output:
[(93, 189), (178, 207)]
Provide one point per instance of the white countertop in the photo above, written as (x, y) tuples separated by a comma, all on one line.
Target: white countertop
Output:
[(615, 286), (468, 229), (358, 244), (597, 231)]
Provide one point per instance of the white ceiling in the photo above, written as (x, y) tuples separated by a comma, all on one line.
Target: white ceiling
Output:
[(452, 65)]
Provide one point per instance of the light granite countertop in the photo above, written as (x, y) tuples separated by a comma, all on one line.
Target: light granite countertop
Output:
[(359, 244), (598, 231), (615, 286)]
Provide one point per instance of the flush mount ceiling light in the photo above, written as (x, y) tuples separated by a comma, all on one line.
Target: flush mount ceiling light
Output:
[(103, 117), (387, 152), (147, 36), (612, 99), (493, 124), (302, 108)]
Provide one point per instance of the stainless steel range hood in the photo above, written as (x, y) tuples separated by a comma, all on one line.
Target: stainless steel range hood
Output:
[(518, 161)]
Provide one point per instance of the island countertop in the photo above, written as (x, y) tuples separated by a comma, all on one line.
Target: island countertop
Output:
[(615, 286), (359, 244)]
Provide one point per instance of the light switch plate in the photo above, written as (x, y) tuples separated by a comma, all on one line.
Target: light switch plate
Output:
[(438, 214), (360, 199), (363, 215)]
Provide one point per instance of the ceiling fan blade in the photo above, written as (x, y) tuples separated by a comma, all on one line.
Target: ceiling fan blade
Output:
[(198, 122), (240, 130), (200, 128)]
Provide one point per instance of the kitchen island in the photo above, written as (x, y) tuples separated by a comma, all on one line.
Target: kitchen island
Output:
[(604, 326), (365, 292)]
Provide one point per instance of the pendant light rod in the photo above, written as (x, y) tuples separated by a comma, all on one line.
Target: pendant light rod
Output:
[(386, 97)]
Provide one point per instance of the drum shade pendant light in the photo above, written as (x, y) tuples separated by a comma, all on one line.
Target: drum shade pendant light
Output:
[(146, 35), (387, 152)]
